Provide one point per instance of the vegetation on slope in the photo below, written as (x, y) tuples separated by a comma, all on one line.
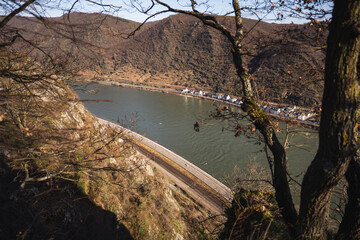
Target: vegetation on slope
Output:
[(286, 61), (63, 175)]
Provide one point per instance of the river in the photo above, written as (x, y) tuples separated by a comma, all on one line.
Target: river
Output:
[(169, 119)]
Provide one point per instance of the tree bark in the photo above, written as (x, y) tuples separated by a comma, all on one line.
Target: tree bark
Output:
[(350, 225), (264, 125), (338, 126), (260, 119)]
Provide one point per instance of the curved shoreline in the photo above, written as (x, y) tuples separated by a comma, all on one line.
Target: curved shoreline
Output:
[(164, 90), (197, 183)]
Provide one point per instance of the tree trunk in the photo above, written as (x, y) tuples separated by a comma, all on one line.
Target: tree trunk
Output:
[(264, 125), (350, 225), (338, 126)]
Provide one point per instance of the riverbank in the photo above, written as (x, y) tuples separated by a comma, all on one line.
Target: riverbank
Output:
[(293, 121), (201, 186)]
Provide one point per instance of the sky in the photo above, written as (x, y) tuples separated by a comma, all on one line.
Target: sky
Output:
[(130, 13), (57, 8)]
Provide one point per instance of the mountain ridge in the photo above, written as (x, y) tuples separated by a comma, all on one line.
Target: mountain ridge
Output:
[(285, 60)]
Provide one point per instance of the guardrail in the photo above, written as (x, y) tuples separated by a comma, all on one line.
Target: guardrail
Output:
[(209, 180)]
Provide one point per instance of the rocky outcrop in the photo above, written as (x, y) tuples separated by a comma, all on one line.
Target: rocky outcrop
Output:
[(63, 174)]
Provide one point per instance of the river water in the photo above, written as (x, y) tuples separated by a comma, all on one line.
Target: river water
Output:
[(169, 119)]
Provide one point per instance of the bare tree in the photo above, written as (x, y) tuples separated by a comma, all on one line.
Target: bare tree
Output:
[(338, 131)]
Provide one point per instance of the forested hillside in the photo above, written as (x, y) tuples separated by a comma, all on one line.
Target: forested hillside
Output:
[(286, 61)]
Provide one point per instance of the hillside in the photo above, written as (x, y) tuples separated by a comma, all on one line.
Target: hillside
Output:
[(179, 50), (285, 60), (63, 175)]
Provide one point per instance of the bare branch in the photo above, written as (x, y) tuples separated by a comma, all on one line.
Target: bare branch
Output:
[(143, 23), (207, 19), (238, 20), (15, 12)]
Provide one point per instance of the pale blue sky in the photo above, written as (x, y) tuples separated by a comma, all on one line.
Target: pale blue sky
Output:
[(128, 12), (58, 7)]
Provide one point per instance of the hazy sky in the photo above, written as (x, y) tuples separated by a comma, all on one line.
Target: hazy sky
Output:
[(129, 12), (214, 6), (57, 8)]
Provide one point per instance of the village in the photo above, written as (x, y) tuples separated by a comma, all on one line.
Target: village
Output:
[(296, 115), (286, 112)]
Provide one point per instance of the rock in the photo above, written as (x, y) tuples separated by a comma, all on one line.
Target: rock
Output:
[(54, 77), (5, 152)]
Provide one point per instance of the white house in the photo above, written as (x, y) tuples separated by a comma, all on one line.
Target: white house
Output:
[(291, 109), (275, 110), (304, 116), (185, 90)]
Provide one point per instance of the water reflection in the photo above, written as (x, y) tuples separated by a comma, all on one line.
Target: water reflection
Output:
[(169, 119)]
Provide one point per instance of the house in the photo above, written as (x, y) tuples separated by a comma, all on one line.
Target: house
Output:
[(275, 110), (185, 90), (291, 109), (233, 100), (239, 102), (227, 97), (292, 115), (304, 116), (214, 95), (206, 94)]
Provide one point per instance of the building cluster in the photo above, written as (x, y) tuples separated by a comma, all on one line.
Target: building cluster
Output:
[(289, 112), (218, 96)]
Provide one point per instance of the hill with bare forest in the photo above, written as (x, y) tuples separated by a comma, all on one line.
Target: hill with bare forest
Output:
[(65, 175), (286, 61)]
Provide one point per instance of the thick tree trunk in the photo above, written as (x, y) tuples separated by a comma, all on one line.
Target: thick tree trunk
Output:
[(338, 126), (350, 225), (242, 73)]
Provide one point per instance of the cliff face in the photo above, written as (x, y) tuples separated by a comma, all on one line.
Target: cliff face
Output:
[(286, 61), (63, 175)]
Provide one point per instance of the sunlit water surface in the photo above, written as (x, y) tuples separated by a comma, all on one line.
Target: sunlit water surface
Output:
[(169, 119)]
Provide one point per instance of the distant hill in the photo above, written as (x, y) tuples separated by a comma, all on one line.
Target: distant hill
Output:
[(286, 61)]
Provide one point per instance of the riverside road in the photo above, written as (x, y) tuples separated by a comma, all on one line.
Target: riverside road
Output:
[(198, 184)]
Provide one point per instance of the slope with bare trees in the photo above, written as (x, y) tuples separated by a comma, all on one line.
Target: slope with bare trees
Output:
[(286, 61)]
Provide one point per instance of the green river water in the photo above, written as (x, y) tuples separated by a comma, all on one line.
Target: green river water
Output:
[(169, 119)]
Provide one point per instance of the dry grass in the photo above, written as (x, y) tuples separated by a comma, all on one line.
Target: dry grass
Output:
[(54, 144)]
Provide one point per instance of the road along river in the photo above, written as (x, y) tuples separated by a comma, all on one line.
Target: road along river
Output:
[(168, 119), (198, 184)]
